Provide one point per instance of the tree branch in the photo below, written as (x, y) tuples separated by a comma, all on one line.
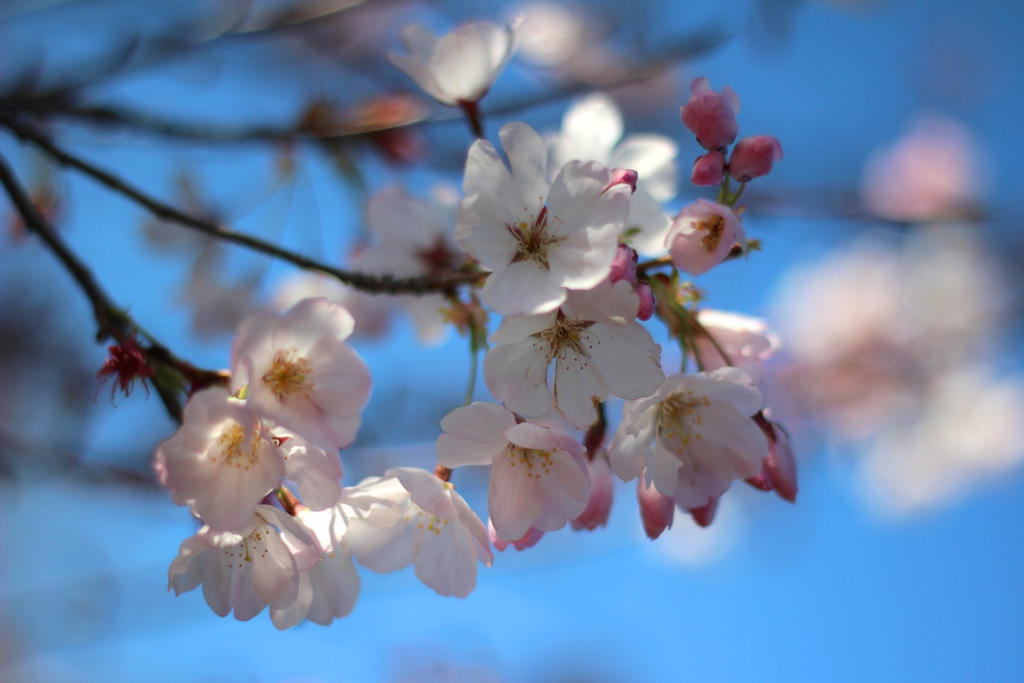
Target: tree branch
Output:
[(385, 284), (103, 309), (685, 47), (112, 323)]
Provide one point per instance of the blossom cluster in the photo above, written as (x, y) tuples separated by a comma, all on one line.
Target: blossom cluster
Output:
[(549, 234), (899, 380)]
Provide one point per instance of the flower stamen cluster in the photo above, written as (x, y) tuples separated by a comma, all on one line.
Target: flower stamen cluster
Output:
[(289, 375)]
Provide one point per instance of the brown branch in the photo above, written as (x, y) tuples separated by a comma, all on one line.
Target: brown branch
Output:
[(369, 283), (111, 322), (103, 309), (686, 47), (134, 120)]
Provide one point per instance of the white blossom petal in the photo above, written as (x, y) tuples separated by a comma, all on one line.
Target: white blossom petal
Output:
[(523, 288), (473, 434), (516, 373)]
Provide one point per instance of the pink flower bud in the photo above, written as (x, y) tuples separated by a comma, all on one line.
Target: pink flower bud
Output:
[(708, 169), (623, 176), (624, 268), (643, 290), (656, 509), (753, 157), (780, 467), (624, 265), (705, 514), (599, 505), (528, 540), (778, 470), (711, 116)]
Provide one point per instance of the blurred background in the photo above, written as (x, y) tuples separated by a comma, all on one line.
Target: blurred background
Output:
[(889, 270)]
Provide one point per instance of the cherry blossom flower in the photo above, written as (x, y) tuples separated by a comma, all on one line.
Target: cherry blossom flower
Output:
[(536, 251), (460, 66), (328, 590), (694, 435), (746, 341), (424, 522), (243, 572), (753, 157), (220, 461), (538, 475), (595, 344), (592, 131), (299, 372), (711, 116), (412, 238), (702, 235)]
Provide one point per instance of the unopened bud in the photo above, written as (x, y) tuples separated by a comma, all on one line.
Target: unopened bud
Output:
[(705, 514), (623, 176), (624, 265), (708, 169), (753, 157), (599, 505), (778, 470), (780, 467), (711, 116), (656, 509), (643, 290)]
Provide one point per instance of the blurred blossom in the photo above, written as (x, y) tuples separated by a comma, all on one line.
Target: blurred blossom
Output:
[(931, 173), (412, 238), (551, 34), (747, 341), (217, 306), (458, 67), (371, 313), (969, 428), (884, 347)]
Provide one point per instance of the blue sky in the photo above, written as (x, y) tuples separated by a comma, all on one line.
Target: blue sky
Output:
[(823, 590)]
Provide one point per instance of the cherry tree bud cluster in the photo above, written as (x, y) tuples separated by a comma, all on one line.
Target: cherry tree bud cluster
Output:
[(547, 236)]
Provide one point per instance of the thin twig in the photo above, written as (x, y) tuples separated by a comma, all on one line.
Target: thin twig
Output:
[(362, 281), (714, 342), (644, 266)]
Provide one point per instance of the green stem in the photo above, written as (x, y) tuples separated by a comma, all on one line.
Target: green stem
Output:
[(739, 193), (723, 191), (472, 375)]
